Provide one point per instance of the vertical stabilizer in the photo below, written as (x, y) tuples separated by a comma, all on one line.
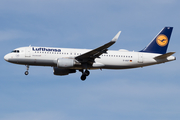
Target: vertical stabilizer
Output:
[(160, 43)]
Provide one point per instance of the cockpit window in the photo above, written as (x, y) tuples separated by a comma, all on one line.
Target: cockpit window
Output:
[(15, 51)]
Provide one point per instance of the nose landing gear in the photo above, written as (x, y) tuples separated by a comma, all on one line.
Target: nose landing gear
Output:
[(27, 68)]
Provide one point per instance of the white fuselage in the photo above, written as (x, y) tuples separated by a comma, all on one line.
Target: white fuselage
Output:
[(46, 56)]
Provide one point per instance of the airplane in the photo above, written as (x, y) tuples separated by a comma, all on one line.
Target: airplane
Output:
[(67, 60)]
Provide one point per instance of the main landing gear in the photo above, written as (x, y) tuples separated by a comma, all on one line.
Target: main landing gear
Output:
[(27, 68), (84, 74)]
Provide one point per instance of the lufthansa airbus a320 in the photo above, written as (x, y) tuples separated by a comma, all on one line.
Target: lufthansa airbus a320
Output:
[(66, 60)]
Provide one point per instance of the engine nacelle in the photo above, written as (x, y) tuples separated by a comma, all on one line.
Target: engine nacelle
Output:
[(59, 71), (65, 63)]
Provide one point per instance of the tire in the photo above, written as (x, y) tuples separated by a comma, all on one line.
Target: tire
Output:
[(83, 77), (87, 72), (26, 73)]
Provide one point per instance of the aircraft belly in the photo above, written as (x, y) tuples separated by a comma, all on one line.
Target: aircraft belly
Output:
[(32, 61), (118, 63), (44, 62)]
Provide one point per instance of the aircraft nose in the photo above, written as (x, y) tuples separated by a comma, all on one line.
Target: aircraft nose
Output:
[(6, 57)]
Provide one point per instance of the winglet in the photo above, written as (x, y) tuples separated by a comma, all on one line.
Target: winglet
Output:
[(116, 37)]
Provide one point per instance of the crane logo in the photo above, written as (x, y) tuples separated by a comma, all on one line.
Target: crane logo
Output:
[(162, 40)]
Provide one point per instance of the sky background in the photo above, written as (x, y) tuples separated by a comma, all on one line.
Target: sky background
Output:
[(151, 93)]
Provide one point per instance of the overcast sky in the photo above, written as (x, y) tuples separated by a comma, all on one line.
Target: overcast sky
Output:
[(151, 93)]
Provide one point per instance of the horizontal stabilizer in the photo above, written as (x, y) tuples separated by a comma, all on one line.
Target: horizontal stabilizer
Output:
[(164, 55)]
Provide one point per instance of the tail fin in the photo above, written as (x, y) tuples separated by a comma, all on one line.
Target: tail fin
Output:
[(160, 43)]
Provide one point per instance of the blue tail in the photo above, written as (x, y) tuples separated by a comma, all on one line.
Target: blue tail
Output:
[(160, 43)]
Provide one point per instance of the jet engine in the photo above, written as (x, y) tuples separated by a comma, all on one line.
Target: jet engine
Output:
[(65, 63), (61, 72)]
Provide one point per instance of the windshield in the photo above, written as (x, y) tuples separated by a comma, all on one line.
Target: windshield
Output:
[(15, 51)]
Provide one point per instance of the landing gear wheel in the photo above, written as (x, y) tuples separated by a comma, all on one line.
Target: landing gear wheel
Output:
[(83, 77), (27, 68), (84, 74), (87, 72), (26, 73)]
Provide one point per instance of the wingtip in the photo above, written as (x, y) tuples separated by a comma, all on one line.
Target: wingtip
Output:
[(116, 37)]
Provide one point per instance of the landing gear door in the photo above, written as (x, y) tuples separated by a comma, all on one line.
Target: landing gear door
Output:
[(28, 52), (140, 58)]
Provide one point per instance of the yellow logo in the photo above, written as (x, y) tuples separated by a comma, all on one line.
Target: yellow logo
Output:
[(162, 40)]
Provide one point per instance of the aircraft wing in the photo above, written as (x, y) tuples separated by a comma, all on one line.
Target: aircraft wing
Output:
[(95, 53)]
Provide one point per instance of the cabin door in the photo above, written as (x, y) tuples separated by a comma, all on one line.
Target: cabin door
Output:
[(140, 58), (28, 52)]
